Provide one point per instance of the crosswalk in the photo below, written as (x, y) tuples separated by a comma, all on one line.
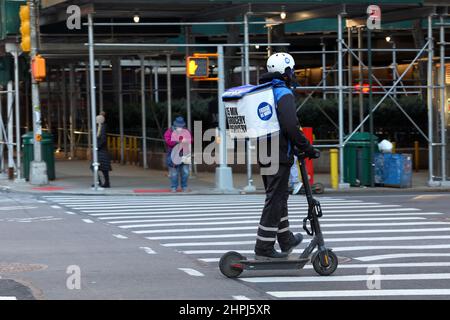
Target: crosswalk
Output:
[(408, 248)]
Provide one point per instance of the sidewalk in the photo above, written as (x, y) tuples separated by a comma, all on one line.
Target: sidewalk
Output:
[(74, 177)]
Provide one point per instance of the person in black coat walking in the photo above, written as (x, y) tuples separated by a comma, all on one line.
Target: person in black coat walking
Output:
[(104, 158)]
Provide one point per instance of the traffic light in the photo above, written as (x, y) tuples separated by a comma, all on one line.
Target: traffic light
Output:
[(364, 89), (24, 14), (197, 67)]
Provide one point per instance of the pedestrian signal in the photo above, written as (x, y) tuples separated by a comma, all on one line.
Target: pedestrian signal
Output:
[(197, 67), (38, 68)]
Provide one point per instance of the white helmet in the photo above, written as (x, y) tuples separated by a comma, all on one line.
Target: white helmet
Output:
[(278, 62)]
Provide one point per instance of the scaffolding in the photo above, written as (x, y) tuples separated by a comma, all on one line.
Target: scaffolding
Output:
[(390, 92), (436, 141)]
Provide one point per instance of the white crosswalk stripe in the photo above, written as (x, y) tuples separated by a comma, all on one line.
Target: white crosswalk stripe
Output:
[(410, 247)]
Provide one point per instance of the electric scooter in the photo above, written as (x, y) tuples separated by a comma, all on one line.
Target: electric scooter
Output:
[(324, 260)]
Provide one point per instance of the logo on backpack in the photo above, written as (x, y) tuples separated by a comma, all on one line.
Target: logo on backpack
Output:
[(265, 111)]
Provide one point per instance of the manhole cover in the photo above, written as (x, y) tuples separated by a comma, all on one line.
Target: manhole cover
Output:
[(20, 267)]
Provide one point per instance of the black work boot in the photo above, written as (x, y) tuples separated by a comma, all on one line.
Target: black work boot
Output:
[(295, 240), (270, 254)]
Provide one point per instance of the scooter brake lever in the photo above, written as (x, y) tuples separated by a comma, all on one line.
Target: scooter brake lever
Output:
[(310, 233)]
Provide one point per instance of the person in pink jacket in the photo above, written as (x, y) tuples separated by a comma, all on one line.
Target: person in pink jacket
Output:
[(178, 141)]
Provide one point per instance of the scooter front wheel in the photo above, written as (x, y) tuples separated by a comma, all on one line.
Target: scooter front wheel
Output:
[(330, 265), (230, 265)]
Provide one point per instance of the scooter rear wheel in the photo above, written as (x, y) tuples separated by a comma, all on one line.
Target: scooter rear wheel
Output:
[(229, 264), (326, 270)]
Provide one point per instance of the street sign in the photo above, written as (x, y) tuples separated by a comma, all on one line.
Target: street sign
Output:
[(197, 67), (374, 18)]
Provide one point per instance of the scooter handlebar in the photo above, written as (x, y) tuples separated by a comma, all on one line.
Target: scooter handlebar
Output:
[(313, 154)]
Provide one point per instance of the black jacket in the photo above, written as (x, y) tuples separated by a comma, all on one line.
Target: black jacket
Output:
[(104, 158), (290, 135)]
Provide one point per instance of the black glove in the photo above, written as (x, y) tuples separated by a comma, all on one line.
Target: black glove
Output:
[(312, 153)]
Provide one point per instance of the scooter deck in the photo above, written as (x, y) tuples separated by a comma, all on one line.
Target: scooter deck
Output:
[(281, 264)]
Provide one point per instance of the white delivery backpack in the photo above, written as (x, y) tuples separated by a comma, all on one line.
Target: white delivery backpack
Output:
[(251, 111)]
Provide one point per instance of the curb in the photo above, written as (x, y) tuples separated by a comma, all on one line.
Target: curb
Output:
[(328, 191)]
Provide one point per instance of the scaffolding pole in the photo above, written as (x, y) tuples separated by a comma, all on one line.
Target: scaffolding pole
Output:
[(350, 80), (248, 143), (64, 105), (100, 84), (72, 110), (444, 181), (430, 101), (342, 185), (144, 115), (324, 69), (224, 176), (17, 107), (95, 164), (169, 91)]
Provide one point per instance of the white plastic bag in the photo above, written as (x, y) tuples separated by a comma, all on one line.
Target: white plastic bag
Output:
[(385, 146)]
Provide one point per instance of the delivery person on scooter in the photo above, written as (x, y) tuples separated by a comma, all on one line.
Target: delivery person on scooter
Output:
[(274, 223)]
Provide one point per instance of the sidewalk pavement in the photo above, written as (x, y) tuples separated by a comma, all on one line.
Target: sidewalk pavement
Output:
[(75, 177)]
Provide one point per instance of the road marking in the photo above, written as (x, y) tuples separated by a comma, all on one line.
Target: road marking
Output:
[(359, 293), (42, 201), (119, 236), (70, 212), (237, 219), (241, 298), (191, 199), (365, 266), (254, 222), (402, 255), (192, 272), (7, 298), (244, 205), (88, 220), (336, 249), (293, 227), (56, 207), (17, 208), (148, 250), (253, 235), (257, 214), (198, 203), (352, 278), (209, 210), (429, 196), (226, 243)]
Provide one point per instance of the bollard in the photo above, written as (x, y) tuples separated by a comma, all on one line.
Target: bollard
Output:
[(126, 141), (116, 149), (113, 148), (394, 147), (135, 150), (416, 156), (334, 165)]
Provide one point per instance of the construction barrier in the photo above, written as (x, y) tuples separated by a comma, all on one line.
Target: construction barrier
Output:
[(130, 146)]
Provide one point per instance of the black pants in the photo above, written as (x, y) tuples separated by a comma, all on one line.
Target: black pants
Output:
[(106, 177), (274, 223)]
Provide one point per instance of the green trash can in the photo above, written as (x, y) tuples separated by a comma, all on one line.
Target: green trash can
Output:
[(48, 155), (357, 160)]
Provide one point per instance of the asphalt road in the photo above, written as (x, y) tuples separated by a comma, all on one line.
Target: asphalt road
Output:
[(147, 247)]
